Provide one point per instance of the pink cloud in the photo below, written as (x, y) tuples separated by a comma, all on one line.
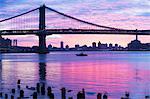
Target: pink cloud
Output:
[(99, 12)]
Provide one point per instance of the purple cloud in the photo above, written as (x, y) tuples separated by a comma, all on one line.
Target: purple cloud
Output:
[(127, 14)]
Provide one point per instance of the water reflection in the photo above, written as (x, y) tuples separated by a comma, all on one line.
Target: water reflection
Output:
[(112, 72), (0, 74), (42, 67)]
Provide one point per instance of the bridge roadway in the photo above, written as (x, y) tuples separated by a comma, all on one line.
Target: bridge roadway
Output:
[(74, 31)]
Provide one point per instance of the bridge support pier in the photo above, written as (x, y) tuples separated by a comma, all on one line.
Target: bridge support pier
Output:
[(42, 37), (42, 44)]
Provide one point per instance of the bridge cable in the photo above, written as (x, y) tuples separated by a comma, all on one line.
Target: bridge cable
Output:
[(18, 15), (82, 20)]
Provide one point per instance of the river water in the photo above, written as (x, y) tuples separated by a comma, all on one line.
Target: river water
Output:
[(106, 72)]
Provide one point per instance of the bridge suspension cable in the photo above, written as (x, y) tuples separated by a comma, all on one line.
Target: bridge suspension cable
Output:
[(25, 21), (86, 22), (59, 13), (18, 15)]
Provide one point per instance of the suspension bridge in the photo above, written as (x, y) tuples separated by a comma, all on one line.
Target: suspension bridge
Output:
[(43, 21)]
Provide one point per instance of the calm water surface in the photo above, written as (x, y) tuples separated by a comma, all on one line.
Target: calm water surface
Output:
[(111, 72)]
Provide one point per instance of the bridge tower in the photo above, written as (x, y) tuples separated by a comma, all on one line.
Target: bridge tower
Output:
[(42, 35)]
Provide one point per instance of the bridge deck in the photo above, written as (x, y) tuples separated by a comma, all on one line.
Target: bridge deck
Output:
[(74, 31)]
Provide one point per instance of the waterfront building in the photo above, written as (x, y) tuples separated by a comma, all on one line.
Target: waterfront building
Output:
[(5, 44), (50, 47), (94, 44), (116, 46), (146, 46), (77, 47), (104, 46), (15, 42), (62, 45), (99, 44), (135, 45), (84, 47), (110, 46), (67, 47)]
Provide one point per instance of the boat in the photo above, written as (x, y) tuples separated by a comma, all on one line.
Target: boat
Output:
[(81, 54), (30, 88)]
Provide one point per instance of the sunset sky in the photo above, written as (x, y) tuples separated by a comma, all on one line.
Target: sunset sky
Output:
[(124, 14)]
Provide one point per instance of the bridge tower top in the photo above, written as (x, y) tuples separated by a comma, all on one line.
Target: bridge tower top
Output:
[(42, 36), (42, 17)]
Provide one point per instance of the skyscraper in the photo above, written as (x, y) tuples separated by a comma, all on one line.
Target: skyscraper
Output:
[(61, 44)]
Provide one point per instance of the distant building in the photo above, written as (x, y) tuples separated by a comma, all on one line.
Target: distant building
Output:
[(67, 47), (94, 44), (84, 47), (62, 45), (135, 44), (35, 48), (146, 46), (5, 42), (15, 42), (99, 44), (50, 47), (77, 47), (110, 46), (22, 49), (104, 46), (120, 48), (116, 46)]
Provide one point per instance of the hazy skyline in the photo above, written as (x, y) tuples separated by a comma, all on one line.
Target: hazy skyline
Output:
[(126, 14)]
